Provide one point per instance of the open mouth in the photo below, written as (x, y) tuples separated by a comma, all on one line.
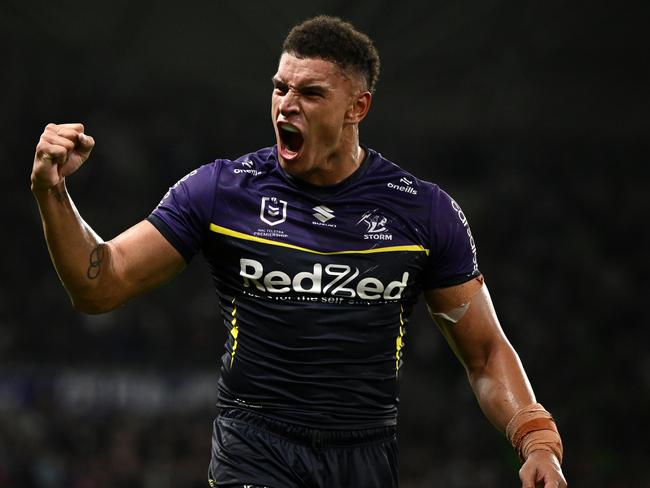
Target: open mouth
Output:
[(291, 140)]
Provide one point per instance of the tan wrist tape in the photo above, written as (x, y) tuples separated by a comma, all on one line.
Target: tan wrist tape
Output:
[(533, 428)]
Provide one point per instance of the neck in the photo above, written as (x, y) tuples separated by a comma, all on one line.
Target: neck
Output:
[(344, 164), (337, 165)]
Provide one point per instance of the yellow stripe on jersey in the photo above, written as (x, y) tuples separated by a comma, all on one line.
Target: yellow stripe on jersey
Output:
[(399, 342), (234, 332), (247, 237)]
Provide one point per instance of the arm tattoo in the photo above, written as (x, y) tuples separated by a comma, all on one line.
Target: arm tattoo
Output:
[(95, 262)]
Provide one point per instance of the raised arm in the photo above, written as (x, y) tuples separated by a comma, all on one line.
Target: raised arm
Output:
[(466, 317), (97, 275)]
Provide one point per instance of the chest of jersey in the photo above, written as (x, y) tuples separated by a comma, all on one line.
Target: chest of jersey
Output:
[(274, 241)]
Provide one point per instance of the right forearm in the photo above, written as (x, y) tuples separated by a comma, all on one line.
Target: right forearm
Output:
[(97, 275), (79, 255)]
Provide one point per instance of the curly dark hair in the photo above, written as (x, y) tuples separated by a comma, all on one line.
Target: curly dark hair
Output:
[(335, 40)]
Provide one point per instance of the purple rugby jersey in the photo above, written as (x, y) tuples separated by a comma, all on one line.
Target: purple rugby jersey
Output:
[(316, 284)]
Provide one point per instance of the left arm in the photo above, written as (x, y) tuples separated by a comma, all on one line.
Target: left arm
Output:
[(466, 317)]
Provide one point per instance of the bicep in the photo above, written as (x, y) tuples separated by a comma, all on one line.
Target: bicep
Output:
[(477, 333), (143, 259)]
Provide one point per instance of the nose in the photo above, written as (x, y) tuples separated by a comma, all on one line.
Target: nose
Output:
[(289, 103)]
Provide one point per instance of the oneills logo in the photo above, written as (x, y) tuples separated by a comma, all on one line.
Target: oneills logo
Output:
[(247, 167), (405, 187), (273, 211)]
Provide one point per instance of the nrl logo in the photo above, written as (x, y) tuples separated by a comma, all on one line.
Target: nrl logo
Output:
[(273, 211)]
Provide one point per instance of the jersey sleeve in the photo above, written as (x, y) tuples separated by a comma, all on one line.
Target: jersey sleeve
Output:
[(183, 215), (452, 258)]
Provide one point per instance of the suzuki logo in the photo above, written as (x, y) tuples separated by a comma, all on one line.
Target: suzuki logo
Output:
[(323, 213), (273, 211)]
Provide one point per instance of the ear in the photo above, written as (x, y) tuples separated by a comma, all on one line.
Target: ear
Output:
[(359, 106)]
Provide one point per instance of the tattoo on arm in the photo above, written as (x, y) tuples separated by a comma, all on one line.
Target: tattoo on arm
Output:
[(95, 262)]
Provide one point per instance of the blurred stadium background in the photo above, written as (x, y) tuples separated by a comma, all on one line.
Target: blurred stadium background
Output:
[(532, 114)]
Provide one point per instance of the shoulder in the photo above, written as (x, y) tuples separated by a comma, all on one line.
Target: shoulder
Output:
[(400, 183), (249, 165), (416, 198), (203, 181), (437, 218)]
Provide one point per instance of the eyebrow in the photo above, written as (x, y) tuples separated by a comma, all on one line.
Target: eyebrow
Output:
[(278, 83), (308, 88)]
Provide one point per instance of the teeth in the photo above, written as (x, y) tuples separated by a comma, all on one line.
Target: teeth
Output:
[(289, 128)]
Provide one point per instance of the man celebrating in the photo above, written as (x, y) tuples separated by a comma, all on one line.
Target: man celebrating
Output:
[(319, 247)]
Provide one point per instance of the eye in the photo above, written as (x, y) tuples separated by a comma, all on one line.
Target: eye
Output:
[(279, 87), (313, 93)]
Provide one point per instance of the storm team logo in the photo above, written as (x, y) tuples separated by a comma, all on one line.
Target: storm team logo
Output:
[(375, 226), (273, 211)]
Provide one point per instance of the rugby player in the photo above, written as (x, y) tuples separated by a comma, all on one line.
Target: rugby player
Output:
[(319, 247)]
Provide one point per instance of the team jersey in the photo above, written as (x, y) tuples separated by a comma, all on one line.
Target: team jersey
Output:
[(316, 283)]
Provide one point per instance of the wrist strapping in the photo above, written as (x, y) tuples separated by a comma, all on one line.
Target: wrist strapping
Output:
[(533, 428)]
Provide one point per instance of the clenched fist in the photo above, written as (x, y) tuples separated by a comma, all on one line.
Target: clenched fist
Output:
[(61, 150)]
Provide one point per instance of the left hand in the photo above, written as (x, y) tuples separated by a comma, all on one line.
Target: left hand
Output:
[(542, 469)]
